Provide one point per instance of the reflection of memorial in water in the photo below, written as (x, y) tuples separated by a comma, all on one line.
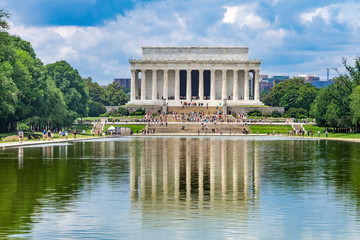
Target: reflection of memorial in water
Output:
[(200, 173)]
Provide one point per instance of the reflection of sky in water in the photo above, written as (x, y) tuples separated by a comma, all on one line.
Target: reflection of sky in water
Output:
[(46, 145), (191, 187)]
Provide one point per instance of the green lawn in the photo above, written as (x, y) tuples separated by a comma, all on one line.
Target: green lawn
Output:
[(91, 119), (313, 128), (134, 128), (264, 129), (81, 127)]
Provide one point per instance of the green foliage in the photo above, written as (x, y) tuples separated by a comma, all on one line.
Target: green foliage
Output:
[(331, 107), (24, 127), (255, 113), (123, 111), (292, 93), (96, 108), (355, 105), (276, 113), (96, 92), (73, 87), (114, 95), (296, 113), (3, 24), (139, 112)]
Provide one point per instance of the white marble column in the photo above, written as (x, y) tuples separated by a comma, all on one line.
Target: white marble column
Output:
[(154, 84), (188, 85), (212, 85), (201, 84), (132, 86), (246, 85), (166, 84), (224, 88), (136, 84), (143, 84), (256, 87), (177, 84), (236, 86)]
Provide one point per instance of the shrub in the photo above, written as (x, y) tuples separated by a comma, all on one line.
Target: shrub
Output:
[(140, 111), (255, 113), (296, 113), (23, 127), (96, 108), (123, 111), (276, 113)]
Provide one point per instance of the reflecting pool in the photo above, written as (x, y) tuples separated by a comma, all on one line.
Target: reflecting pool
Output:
[(182, 188)]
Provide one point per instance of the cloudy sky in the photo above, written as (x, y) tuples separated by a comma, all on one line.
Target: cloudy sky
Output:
[(97, 37)]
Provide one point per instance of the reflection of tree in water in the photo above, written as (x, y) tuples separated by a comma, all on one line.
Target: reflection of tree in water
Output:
[(51, 178), (310, 164), (176, 176)]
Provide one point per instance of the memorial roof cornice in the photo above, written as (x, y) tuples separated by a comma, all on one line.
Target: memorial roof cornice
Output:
[(132, 61)]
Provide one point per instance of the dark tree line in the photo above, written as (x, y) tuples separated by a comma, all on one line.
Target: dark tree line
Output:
[(44, 96), (336, 107)]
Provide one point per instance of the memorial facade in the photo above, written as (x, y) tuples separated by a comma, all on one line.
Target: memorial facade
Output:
[(207, 75)]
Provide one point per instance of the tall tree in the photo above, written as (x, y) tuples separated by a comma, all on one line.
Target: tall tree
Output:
[(73, 87), (292, 93), (96, 92), (114, 95)]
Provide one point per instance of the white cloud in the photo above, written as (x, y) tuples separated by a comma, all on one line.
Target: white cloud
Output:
[(244, 16), (102, 52), (324, 13), (341, 13)]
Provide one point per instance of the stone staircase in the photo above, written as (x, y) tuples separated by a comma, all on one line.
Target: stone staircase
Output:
[(227, 128), (192, 109), (97, 127), (297, 127)]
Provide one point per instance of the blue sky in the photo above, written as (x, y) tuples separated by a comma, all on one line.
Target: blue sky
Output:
[(97, 37)]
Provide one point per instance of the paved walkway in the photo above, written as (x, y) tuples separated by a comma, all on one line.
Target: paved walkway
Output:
[(28, 143)]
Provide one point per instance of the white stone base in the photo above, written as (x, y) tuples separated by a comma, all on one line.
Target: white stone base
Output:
[(178, 103)]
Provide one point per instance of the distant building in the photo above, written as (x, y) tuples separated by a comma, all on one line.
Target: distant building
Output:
[(279, 79), (265, 85), (314, 80), (309, 78), (125, 82), (322, 84)]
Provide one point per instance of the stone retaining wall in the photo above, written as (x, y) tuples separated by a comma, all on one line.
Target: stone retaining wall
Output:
[(152, 109), (230, 109), (264, 110)]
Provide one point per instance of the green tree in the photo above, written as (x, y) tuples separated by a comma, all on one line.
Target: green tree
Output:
[(96, 108), (114, 95), (96, 92), (292, 93), (331, 107), (3, 23), (73, 87)]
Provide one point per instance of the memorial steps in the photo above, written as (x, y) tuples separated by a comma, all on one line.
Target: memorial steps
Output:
[(193, 109), (226, 128)]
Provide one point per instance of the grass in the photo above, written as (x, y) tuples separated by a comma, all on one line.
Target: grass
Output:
[(315, 129), (134, 128), (264, 129), (91, 119)]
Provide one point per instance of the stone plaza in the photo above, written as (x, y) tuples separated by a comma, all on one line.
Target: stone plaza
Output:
[(213, 76)]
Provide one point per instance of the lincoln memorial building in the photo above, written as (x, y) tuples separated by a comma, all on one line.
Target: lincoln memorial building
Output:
[(208, 75)]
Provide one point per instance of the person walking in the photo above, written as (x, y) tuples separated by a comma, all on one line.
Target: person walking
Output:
[(21, 135), (44, 135)]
